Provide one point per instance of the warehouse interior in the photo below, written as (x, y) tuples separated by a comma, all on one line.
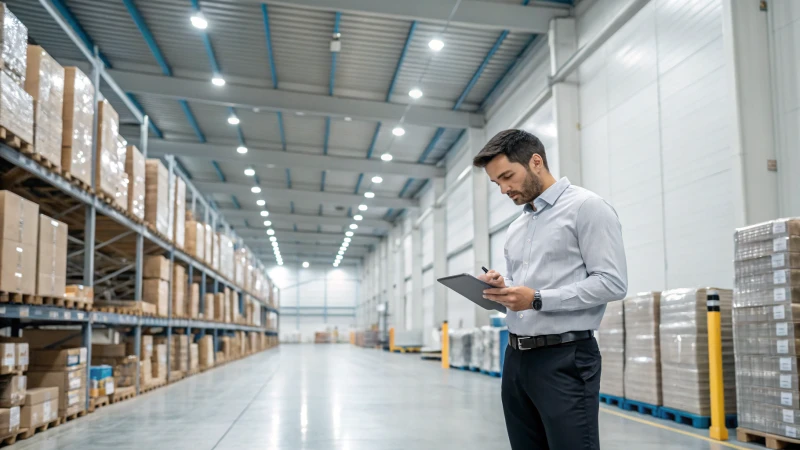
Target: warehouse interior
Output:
[(222, 222)]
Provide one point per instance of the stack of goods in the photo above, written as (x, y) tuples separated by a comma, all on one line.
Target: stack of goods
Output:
[(179, 353), (476, 359), (642, 352), (611, 340), (51, 273), (366, 338), (109, 167), (460, 348), (491, 349), (206, 351), (240, 266), (159, 361), (146, 355), (194, 357), (123, 365), (101, 380), (78, 113), (194, 301), (64, 369), (208, 245), (684, 350), (155, 286), (766, 326), (41, 407), (156, 205), (226, 256), (179, 281), (179, 213), (16, 105), (322, 337), (13, 384), (123, 180), (215, 254), (44, 82), (208, 307), (80, 292), (19, 228), (231, 306), (195, 239), (135, 168), (219, 306)]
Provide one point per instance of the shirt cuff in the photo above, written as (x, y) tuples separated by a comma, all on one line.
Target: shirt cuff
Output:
[(551, 299)]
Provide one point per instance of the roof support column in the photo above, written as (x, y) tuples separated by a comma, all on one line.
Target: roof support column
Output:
[(416, 277), (439, 256), (563, 41)]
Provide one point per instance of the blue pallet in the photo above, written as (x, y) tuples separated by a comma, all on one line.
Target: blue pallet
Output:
[(491, 374), (475, 369), (694, 420), (640, 407), (459, 367), (612, 400)]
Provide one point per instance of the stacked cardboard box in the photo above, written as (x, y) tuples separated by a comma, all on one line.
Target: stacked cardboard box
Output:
[(683, 335), (208, 245), (123, 181), (118, 357), (206, 351), (78, 114), (78, 291), (642, 351), (12, 390), (195, 240), (611, 340), (179, 353), (179, 212), (155, 286), (41, 407), (108, 166), (766, 326), (226, 257), (19, 228), (16, 105), (208, 312), (21, 352), (194, 357), (51, 273), (64, 369), (135, 168), (240, 266), (44, 82), (215, 255), (194, 301), (179, 281), (156, 206), (159, 360), (101, 380), (14, 34)]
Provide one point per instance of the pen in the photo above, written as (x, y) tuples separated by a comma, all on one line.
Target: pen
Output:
[(485, 270)]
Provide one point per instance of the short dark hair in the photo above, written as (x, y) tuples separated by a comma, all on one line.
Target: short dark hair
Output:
[(519, 147)]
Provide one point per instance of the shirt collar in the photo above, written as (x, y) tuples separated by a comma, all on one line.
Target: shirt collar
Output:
[(549, 196)]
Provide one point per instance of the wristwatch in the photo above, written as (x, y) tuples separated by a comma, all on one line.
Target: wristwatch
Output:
[(537, 301)]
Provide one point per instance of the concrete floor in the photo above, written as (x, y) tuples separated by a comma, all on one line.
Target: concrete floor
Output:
[(332, 397)]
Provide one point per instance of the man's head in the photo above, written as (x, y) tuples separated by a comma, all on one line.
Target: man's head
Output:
[(515, 160)]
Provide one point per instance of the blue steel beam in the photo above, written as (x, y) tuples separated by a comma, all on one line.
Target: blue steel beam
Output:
[(331, 84), (274, 76)]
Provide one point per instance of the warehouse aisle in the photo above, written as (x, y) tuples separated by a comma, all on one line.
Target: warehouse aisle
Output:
[(326, 398)]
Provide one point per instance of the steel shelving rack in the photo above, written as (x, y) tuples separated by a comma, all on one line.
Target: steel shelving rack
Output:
[(70, 198)]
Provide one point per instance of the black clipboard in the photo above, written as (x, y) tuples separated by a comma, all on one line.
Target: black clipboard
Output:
[(472, 289)]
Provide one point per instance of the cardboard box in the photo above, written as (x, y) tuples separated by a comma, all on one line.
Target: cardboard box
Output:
[(215, 256), (122, 181), (107, 166), (178, 291), (208, 237), (14, 37), (32, 416), (21, 349), (179, 353), (17, 267), (8, 358), (156, 267), (206, 351), (135, 167), (80, 291), (12, 390), (156, 207), (156, 292), (44, 82), (179, 214), (51, 271), (108, 351), (208, 311), (19, 219), (9, 420), (78, 120), (61, 359), (160, 361), (71, 385), (145, 350), (195, 240), (219, 306), (35, 396), (16, 109), (194, 301), (72, 401)]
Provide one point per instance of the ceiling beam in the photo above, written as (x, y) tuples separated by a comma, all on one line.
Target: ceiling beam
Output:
[(230, 213), (475, 14), (280, 100), (290, 248), (316, 261), (262, 158), (306, 197), (307, 237)]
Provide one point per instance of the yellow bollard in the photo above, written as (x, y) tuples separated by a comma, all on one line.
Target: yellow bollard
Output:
[(718, 430), (391, 339), (445, 346)]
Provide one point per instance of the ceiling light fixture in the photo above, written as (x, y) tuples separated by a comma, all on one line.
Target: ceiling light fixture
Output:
[(233, 119), (377, 179), (273, 238), (358, 217), (362, 207), (415, 93), (267, 223), (255, 190), (217, 80), (199, 20), (349, 234), (435, 45), (264, 213), (300, 113), (386, 157), (347, 239), (369, 194), (249, 171), (397, 131), (305, 264), (241, 149), (353, 226), (346, 244), (348, 119), (261, 202), (274, 244), (270, 232)]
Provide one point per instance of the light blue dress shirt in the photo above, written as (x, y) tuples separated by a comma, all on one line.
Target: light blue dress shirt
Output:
[(569, 247)]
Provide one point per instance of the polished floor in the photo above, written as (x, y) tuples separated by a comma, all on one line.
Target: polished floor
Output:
[(333, 397)]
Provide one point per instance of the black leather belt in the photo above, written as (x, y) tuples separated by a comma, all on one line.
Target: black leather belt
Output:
[(532, 342)]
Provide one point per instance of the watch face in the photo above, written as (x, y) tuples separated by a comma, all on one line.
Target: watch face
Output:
[(537, 304)]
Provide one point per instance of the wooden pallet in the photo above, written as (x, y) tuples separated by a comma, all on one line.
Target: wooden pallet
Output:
[(98, 402), (123, 393), (16, 297), (80, 184), (14, 141), (27, 433), (772, 441), (133, 308), (73, 416), (155, 384), (11, 439)]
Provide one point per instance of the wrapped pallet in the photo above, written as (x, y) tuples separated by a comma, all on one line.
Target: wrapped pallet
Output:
[(206, 351), (156, 292), (180, 212), (78, 115), (135, 169), (460, 348), (107, 165), (219, 306), (611, 340), (51, 272), (13, 59), (226, 256), (45, 84), (16, 109), (683, 336), (195, 240), (179, 281), (216, 257), (642, 352), (156, 209), (122, 179), (491, 349), (208, 245), (208, 311)]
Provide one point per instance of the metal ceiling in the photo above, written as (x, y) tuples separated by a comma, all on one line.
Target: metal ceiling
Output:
[(286, 47)]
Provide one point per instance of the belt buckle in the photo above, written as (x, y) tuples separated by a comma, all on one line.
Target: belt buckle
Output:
[(521, 346)]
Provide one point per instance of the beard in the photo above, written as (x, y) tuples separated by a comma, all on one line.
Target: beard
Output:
[(531, 189)]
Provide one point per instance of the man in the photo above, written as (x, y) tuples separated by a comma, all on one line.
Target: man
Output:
[(564, 261)]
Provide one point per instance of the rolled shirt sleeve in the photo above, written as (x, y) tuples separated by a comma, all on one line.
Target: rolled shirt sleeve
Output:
[(600, 242)]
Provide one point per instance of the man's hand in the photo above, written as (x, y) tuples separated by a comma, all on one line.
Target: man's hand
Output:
[(493, 278), (515, 298)]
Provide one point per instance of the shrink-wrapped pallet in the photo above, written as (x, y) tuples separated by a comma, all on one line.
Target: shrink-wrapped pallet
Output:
[(215, 256), (460, 348), (122, 182), (107, 165), (491, 349), (476, 359), (226, 256), (178, 291), (156, 210), (195, 239), (180, 212), (13, 59), (642, 351), (135, 168), (51, 271), (16, 109), (611, 340), (44, 82), (683, 335), (78, 115)]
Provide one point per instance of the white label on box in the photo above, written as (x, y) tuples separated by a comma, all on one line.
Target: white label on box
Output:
[(791, 431), (786, 398), (779, 227), (778, 312), (67, 315), (74, 383), (3, 310), (13, 420), (80, 315), (83, 355), (47, 412), (786, 364), (73, 398), (788, 415), (780, 294), (786, 382), (779, 245), (778, 260), (783, 346), (781, 329), (109, 386), (779, 277), (73, 360), (24, 312)]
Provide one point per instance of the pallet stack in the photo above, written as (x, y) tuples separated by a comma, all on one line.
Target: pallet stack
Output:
[(44, 82), (16, 105), (14, 361), (611, 340), (110, 164), (156, 206), (65, 369), (155, 285), (78, 121), (179, 282), (135, 168), (642, 350), (19, 223), (179, 216), (51, 262)]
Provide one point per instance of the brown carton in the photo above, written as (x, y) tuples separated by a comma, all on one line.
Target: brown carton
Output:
[(8, 358), (78, 115), (206, 351), (107, 165), (9, 419), (19, 219), (12, 390), (145, 350), (51, 272), (156, 267), (121, 179), (44, 82), (179, 215), (156, 292), (160, 361), (208, 311), (35, 396), (208, 245), (156, 210), (14, 38), (32, 416), (16, 109), (146, 372), (135, 168), (219, 306), (108, 351), (21, 350), (194, 301), (71, 385), (17, 267), (178, 291), (215, 256), (62, 359), (194, 356), (80, 292), (195, 241)]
